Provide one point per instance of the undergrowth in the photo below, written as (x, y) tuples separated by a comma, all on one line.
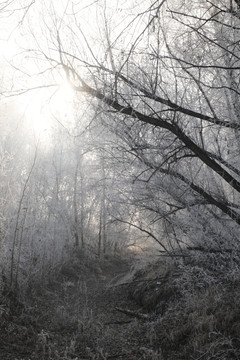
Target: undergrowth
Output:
[(176, 308), (196, 304)]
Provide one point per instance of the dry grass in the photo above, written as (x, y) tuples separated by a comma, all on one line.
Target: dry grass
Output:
[(192, 310), (196, 305)]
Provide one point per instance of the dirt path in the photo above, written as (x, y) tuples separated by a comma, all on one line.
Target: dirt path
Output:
[(89, 317)]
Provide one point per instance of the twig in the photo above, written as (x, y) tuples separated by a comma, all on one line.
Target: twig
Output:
[(133, 313)]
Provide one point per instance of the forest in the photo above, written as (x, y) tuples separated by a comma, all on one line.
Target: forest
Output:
[(120, 179)]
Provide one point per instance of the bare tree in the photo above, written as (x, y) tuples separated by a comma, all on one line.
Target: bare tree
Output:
[(166, 77)]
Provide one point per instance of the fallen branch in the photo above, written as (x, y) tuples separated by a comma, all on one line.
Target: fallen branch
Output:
[(136, 314)]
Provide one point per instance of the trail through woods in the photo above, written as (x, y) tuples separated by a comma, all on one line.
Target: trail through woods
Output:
[(165, 310), (88, 316)]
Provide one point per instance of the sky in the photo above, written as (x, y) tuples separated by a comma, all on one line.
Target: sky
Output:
[(29, 49)]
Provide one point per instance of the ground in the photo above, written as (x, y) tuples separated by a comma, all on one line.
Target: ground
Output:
[(174, 308), (87, 315)]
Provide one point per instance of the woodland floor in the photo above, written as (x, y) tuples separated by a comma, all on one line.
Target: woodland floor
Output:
[(187, 309), (79, 316)]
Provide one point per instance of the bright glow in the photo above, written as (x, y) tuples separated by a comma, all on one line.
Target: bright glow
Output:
[(42, 107), (62, 100), (35, 112), (8, 49)]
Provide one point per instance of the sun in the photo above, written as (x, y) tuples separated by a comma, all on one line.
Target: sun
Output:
[(44, 106)]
